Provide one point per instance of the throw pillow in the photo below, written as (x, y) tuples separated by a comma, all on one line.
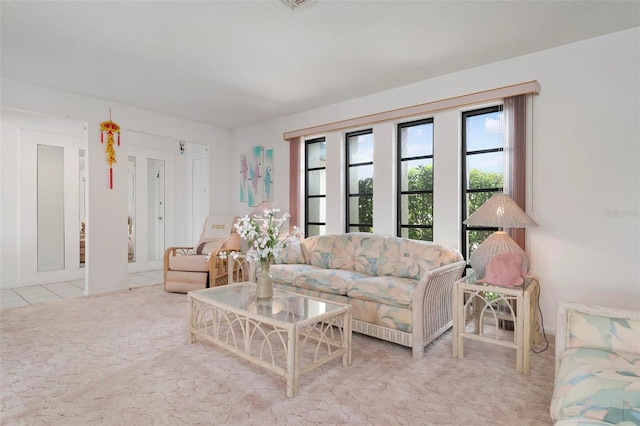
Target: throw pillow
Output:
[(504, 270), (292, 253), (207, 247)]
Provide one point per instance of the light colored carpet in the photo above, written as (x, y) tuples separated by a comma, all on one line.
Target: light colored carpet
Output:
[(122, 359)]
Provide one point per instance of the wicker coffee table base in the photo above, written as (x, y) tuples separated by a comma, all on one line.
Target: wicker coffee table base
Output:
[(289, 347)]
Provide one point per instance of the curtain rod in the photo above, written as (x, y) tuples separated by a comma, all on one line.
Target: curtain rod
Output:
[(420, 109)]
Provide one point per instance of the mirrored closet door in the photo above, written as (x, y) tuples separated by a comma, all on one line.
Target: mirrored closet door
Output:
[(51, 207), (168, 196), (151, 205)]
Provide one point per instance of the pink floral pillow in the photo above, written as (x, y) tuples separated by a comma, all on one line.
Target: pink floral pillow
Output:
[(505, 270)]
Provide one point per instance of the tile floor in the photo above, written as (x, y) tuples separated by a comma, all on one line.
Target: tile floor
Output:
[(25, 296)]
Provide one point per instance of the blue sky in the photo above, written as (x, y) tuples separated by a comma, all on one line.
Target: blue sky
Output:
[(483, 132)]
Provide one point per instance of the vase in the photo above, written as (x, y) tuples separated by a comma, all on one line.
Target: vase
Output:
[(264, 283)]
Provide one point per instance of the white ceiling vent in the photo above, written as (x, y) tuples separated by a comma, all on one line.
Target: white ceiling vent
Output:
[(296, 3)]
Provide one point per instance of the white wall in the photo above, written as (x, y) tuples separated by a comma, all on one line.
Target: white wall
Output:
[(584, 188), (106, 269)]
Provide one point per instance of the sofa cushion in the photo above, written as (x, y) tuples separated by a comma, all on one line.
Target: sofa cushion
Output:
[(357, 252), (317, 294), (327, 280), (292, 253), (320, 253), (308, 245), (196, 263), (406, 258), (597, 384), (386, 290), (286, 274), (353, 252), (581, 421), (616, 334), (393, 317)]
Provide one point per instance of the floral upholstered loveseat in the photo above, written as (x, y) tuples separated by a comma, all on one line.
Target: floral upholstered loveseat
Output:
[(399, 289), (597, 366)]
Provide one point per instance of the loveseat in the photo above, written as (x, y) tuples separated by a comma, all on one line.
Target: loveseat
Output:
[(399, 289), (597, 378)]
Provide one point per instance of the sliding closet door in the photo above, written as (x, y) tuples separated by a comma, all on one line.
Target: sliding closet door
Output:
[(156, 208), (151, 205), (168, 196), (199, 179)]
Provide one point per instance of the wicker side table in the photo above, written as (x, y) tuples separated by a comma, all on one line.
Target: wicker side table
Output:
[(487, 307)]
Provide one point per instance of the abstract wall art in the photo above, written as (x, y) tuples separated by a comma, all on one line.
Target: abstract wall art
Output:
[(256, 176)]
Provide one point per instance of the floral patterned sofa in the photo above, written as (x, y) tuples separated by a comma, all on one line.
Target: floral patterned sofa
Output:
[(597, 366), (399, 289)]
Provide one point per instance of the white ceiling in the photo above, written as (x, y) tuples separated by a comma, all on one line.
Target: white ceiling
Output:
[(233, 63)]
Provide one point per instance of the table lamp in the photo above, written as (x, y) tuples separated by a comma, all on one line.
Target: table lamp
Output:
[(502, 212)]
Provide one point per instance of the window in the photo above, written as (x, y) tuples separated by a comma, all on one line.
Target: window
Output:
[(415, 180), (482, 167), (315, 188), (359, 178)]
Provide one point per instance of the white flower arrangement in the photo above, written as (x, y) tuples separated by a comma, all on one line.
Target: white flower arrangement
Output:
[(265, 235)]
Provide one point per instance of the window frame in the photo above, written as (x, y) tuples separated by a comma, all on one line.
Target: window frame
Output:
[(348, 194), (308, 169), (464, 153), (399, 159)]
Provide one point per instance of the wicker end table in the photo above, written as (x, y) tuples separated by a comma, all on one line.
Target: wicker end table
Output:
[(481, 311)]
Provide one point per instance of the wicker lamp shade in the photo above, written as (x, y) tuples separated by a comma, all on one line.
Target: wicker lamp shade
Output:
[(502, 212)]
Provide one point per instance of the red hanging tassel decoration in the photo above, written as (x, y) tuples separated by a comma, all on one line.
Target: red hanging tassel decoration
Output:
[(109, 127)]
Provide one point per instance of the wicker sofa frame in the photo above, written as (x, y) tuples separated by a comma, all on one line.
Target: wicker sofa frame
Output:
[(431, 311)]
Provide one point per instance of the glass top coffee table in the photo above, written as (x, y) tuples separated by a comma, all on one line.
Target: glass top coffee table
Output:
[(288, 334)]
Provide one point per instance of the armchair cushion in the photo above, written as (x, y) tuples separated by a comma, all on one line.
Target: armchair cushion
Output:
[(184, 282), (207, 247), (597, 365), (217, 227), (598, 384), (193, 263), (233, 242), (613, 334), (188, 277)]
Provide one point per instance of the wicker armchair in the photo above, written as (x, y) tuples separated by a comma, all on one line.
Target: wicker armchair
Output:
[(195, 268), (241, 268)]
